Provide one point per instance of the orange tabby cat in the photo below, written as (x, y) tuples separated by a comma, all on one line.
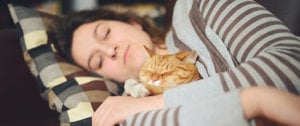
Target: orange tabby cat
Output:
[(162, 72)]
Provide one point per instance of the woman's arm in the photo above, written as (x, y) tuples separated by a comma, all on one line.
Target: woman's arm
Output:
[(240, 36), (116, 109), (272, 104), (267, 102)]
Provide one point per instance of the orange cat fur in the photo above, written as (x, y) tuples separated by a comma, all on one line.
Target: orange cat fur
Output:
[(162, 72)]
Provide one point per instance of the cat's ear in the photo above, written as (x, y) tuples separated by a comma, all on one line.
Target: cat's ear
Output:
[(149, 51), (189, 57)]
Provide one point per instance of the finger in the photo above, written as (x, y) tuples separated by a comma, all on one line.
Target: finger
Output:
[(102, 116), (97, 115)]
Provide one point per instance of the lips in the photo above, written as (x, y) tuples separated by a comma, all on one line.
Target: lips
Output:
[(126, 52)]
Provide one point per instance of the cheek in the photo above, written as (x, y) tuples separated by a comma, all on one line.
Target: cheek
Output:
[(146, 79), (109, 70), (115, 71), (137, 60), (171, 79)]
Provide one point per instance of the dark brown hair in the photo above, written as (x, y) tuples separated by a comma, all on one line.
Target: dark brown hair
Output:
[(66, 26)]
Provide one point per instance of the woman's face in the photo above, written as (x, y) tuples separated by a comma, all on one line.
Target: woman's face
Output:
[(113, 49)]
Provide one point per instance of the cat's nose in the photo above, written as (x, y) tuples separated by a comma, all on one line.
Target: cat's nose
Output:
[(155, 77)]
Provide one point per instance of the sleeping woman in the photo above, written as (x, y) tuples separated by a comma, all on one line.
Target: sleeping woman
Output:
[(248, 59)]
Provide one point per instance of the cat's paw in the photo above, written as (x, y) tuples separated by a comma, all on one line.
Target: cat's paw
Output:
[(135, 89)]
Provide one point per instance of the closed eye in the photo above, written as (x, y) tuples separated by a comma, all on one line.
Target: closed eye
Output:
[(107, 34), (95, 63), (100, 61)]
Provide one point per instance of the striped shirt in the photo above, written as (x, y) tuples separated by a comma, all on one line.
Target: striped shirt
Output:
[(240, 44)]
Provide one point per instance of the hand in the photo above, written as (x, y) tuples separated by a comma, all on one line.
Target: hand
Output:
[(116, 109), (271, 103)]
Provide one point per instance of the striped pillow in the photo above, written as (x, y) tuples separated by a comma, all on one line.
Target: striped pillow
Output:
[(68, 89)]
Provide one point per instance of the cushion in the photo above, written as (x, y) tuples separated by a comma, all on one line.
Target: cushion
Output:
[(70, 90)]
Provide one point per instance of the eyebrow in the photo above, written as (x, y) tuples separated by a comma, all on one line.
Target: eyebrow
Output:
[(95, 36)]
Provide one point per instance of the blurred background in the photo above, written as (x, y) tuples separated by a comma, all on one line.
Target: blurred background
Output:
[(287, 11), (152, 8)]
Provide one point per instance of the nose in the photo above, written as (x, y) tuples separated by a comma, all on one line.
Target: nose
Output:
[(155, 77), (109, 50)]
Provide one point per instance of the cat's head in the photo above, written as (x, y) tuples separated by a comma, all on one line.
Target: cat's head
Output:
[(170, 69)]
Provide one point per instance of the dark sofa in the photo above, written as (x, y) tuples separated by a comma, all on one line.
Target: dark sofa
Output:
[(20, 101)]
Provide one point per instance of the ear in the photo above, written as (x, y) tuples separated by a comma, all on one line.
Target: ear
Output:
[(189, 57), (149, 51)]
